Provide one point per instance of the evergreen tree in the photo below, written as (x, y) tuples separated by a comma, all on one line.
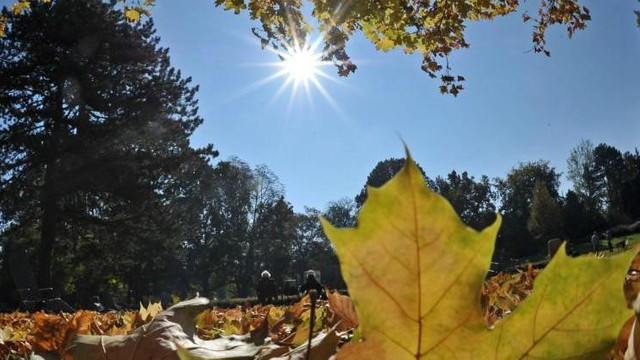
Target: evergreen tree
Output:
[(94, 141), (545, 219), (275, 243), (516, 195), (383, 172), (614, 171), (578, 222)]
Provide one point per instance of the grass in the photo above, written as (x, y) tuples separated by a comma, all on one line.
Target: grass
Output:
[(632, 241)]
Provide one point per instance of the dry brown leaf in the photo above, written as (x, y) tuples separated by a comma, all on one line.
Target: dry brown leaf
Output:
[(342, 306)]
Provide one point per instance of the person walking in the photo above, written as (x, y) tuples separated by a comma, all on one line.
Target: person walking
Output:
[(594, 242), (607, 236), (312, 284), (266, 289)]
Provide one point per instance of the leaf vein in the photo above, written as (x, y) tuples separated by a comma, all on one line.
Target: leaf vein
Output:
[(416, 233), (381, 288), (448, 335), (450, 286), (394, 341), (569, 312)]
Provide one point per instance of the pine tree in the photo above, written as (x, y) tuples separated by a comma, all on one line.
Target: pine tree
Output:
[(94, 141), (545, 219)]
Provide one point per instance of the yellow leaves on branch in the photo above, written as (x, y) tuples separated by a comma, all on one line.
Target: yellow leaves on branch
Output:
[(131, 14), (134, 9), (20, 6), (414, 271), (17, 8), (3, 25), (434, 29)]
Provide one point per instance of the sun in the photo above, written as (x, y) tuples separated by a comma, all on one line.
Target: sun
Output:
[(302, 64)]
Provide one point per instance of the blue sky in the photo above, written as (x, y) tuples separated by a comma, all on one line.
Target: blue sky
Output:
[(516, 106)]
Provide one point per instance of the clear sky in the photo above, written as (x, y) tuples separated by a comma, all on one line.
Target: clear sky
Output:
[(516, 106)]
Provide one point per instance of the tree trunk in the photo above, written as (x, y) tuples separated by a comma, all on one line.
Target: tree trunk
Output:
[(50, 197)]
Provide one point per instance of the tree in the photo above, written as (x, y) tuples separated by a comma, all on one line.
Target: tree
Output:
[(516, 195), (96, 127), (214, 251), (313, 250), (588, 182), (276, 235), (472, 200), (578, 221), (630, 189), (545, 219), (308, 231), (612, 169), (265, 191), (341, 213), (383, 172)]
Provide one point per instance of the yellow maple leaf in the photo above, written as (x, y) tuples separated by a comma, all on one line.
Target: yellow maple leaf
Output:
[(415, 270), (575, 311), (151, 311)]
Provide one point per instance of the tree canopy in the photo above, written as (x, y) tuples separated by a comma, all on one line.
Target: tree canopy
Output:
[(473, 200), (434, 29)]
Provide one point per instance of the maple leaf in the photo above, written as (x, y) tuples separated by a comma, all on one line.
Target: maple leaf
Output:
[(343, 307), (51, 333), (151, 311), (415, 271)]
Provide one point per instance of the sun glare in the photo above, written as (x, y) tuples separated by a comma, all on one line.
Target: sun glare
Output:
[(302, 64), (300, 67)]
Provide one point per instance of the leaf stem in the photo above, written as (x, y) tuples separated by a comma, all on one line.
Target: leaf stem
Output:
[(313, 295)]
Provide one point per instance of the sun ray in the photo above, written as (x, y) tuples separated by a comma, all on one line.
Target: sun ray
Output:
[(301, 70)]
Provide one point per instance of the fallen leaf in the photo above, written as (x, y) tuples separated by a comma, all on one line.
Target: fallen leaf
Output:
[(413, 269), (575, 311), (620, 348), (343, 307), (152, 310), (160, 339), (52, 333), (323, 346)]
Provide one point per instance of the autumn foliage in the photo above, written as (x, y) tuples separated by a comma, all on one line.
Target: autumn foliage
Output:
[(433, 29)]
